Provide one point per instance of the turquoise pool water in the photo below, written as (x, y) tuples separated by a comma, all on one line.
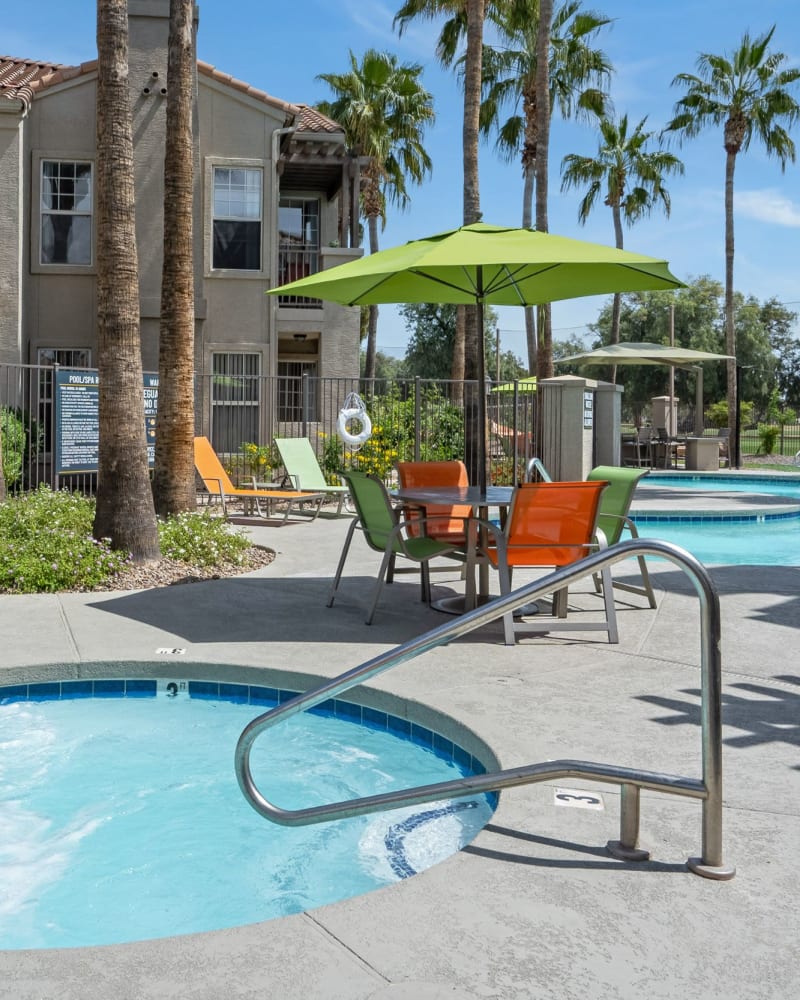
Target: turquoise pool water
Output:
[(785, 486), (730, 541), (746, 543), (121, 818)]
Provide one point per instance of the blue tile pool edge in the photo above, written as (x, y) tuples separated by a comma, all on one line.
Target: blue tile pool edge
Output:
[(257, 695), (707, 517)]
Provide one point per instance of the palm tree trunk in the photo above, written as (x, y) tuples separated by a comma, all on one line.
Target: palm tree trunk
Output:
[(527, 223), (474, 364), (545, 351), (125, 512), (616, 309), (372, 323), (730, 326), (173, 476)]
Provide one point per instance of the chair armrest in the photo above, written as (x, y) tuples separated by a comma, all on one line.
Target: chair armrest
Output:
[(212, 479)]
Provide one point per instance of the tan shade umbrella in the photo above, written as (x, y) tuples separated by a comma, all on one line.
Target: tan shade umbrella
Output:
[(632, 353)]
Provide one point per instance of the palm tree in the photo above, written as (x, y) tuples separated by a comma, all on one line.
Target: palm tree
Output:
[(544, 353), (383, 109), (576, 73), (125, 512), (173, 475), (464, 22), (750, 95), (628, 176), (453, 33)]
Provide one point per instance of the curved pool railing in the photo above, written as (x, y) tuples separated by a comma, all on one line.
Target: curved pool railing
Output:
[(708, 788)]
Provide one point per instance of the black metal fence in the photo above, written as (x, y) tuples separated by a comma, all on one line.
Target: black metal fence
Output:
[(242, 414)]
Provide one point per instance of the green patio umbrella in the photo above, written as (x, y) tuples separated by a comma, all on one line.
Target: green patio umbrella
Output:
[(481, 263), (527, 384), (653, 354)]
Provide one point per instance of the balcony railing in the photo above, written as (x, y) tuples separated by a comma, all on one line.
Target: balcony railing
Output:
[(294, 264)]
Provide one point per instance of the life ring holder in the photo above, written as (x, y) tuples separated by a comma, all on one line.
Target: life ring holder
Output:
[(354, 409)]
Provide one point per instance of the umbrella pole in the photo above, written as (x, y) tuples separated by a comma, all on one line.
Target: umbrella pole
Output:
[(481, 385)]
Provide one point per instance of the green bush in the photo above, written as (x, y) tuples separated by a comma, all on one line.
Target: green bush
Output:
[(201, 540), (717, 413), (768, 435), (46, 543), (392, 439), (20, 437)]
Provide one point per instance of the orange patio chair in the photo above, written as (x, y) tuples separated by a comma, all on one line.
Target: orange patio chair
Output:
[(444, 523), (549, 525)]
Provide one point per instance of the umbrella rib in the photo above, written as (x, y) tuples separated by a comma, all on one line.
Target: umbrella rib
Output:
[(506, 278), (469, 286)]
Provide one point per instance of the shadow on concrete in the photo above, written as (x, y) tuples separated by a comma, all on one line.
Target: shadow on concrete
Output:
[(779, 585), (604, 862), (761, 714), (287, 609)]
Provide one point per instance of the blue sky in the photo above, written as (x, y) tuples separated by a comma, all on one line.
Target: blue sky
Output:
[(281, 48)]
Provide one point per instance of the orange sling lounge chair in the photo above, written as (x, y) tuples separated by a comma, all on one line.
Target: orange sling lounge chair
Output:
[(218, 484), (549, 525)]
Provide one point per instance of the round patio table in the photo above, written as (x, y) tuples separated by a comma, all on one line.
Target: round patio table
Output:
[(480, 501)]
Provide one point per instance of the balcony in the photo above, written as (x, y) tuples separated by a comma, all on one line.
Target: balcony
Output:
[(294, 264)]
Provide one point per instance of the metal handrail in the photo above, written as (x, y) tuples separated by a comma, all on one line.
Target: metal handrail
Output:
[(536, 465), (709, 788)]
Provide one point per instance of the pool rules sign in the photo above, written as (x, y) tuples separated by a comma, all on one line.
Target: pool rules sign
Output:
[(77, 430)]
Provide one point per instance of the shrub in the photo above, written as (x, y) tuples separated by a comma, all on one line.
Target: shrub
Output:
[(20, 437), (392, 439), (259, 461), (200, 539), (768, 435), (46, 544), (717, 413)]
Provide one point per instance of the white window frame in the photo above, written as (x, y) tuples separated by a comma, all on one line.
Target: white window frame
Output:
[(59, 212), (252, 168)]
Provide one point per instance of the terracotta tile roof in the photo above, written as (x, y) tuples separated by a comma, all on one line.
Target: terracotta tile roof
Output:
[(312, 120), (21, 78)]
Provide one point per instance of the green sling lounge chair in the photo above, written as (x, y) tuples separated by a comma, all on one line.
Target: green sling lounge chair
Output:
[(303, 468)]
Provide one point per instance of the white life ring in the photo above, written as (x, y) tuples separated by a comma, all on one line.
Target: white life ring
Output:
[(354, 413)]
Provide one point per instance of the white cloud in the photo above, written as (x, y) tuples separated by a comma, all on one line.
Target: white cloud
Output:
[(768, 205), (374, 20)]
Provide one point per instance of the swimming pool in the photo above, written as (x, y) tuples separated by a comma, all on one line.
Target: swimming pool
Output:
[(754, 537), (122, 819), (786, 485)]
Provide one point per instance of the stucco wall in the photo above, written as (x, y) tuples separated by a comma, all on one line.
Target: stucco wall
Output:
[(10, 234)]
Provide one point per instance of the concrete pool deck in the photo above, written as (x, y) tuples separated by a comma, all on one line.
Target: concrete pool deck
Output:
[(534, 907)]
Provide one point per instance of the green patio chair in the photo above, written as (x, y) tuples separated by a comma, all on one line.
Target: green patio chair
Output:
[(385, 532), (613, 519), (301, 465)]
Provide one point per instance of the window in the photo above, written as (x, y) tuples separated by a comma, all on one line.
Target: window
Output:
[(292, 387), (66, 212), (237, 219), (298, 247), (235, 397)]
